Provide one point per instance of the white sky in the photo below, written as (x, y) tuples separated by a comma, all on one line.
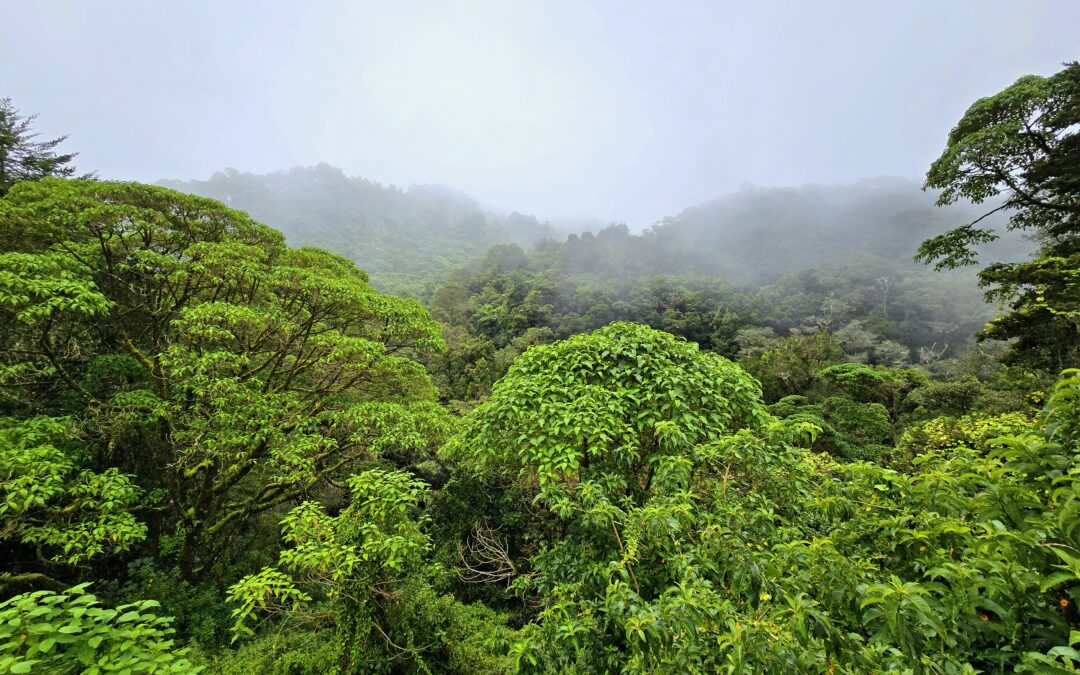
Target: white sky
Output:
[(622, 110)]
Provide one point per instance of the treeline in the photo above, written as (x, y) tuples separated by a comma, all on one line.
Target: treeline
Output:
[(734, 275), (411, 238), (861, 354)]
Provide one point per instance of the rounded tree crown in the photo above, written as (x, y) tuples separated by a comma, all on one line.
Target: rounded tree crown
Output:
[(605, 404)]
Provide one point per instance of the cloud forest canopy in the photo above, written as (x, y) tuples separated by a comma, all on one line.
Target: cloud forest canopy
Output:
[(752, 439)]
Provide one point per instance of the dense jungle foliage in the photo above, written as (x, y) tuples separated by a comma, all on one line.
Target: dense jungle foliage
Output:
[(754, 438)]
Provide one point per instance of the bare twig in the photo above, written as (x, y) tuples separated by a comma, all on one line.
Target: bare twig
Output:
[(486, 557)]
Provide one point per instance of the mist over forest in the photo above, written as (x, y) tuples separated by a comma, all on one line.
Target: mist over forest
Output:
[(704, 339), (754, 236), (399, 236), (784, 260)]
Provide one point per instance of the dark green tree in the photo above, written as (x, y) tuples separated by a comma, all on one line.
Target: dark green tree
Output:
[(22, 156), (1021, 145)]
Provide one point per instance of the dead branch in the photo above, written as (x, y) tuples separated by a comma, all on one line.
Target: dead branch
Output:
[(485, 557)]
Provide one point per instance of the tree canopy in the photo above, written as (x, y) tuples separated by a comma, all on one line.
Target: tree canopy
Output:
[(194, 354), (220, 453), (1021, 146)]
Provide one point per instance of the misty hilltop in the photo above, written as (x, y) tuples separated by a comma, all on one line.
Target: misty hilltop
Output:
[(404, 237), (832, 255), (400, 236), (760, 234)]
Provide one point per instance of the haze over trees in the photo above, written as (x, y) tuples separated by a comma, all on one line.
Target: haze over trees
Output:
[(402, 237), (757, 437)]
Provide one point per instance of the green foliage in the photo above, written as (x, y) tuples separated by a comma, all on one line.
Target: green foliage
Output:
[(866, 383), (743, 552), (847, 429), (792, 365), (298, 651), (606, 423), (1021, 144), (200, 610), (592, 411), (71, 632), (40, 286), (363, 572), (374, 539), (975, 432), (1043, 296), (49, 502), (207, 360)]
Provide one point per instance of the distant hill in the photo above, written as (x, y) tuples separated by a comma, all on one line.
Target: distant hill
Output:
[(410, 239), (403, 238), (758, 236), (794, 259)]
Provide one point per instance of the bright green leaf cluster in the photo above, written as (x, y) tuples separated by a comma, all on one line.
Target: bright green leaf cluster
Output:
[(47, 500), (71, 632)]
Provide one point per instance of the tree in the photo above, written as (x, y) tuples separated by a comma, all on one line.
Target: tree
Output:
[(363, 573), (1021, 145), (348, 562), (21, 156), (610, 431), (193, 350), (731, 548), (791, 365), (597, 409)]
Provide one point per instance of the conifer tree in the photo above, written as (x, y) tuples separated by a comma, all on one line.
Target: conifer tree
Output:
[(22, 157)]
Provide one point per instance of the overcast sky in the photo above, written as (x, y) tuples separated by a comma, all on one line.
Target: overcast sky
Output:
[(621, 110)]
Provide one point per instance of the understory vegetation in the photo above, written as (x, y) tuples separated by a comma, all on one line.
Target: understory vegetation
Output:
[(690, 450)]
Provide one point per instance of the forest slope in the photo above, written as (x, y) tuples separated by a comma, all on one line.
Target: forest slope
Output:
[(402, 237)]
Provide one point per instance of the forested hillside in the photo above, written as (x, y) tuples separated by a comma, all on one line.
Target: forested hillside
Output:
[(761, 234), (735, 276), (404, 238), (756, 438)]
